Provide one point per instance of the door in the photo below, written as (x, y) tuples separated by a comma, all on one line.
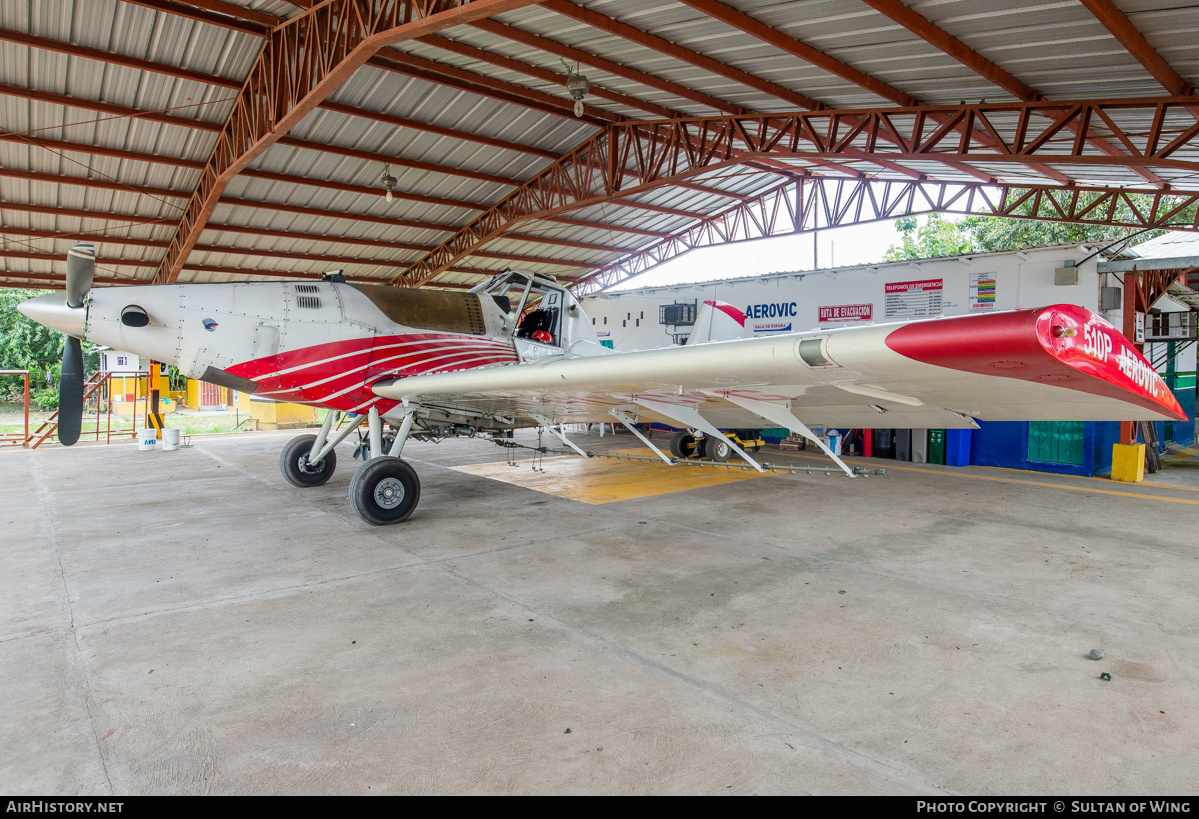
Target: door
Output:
[(1056, 442)]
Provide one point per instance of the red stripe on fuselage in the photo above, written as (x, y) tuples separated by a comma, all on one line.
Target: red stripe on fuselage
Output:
[(337, 374), (1097, 359)]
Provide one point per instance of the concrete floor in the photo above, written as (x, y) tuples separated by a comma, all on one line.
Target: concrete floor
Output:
[(186, 622)]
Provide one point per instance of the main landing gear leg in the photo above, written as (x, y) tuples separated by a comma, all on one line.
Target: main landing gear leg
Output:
[(385, 489)]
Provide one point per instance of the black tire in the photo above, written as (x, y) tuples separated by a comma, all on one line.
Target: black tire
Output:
[(293, 463), (682, 445), (384, 490), (716, 450)]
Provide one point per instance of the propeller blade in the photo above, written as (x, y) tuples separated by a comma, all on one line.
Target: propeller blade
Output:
[(70, 393), (81, 267)]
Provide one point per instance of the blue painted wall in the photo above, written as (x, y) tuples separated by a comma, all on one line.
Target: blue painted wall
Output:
[(1005, 443)]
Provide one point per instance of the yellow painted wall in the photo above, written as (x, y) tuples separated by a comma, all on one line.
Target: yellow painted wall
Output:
[(127, 408), (277, 415)]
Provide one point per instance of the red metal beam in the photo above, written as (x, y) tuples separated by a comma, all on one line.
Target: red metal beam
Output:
[(482, 55), (203, 125), (701, 61), (434, 72), (944, 41), (129, 219), (6, 230), (643, 38), (763, 32), (179, 162), (301, 64), (319, 147), (1123, 30), (947, 43), (805, 205), (453, 133), (117, 59), (252, 23), (283, 207), (584, 58), (666, 152), (215, 12), (399, 162)]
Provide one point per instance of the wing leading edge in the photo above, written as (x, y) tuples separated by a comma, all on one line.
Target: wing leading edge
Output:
[(1057, 363)]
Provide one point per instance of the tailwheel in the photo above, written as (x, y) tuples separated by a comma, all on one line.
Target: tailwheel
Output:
[(384, 490), (716, 450), (293, 463), (682, 445)]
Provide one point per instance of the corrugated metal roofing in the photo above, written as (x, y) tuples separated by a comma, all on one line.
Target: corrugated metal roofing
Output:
[(464, 117)]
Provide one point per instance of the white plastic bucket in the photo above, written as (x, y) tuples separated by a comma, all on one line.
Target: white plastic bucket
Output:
[(147, 438), (170, 439), (834, 442)]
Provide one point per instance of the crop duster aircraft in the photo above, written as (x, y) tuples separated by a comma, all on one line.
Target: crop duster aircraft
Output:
[(518, 351)]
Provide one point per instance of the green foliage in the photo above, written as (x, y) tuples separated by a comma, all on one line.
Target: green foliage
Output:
[(938, 237), (980, 234), (46, 398), (27, 345)]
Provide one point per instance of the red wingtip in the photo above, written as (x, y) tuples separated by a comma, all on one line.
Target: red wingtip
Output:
[(1064, 345)]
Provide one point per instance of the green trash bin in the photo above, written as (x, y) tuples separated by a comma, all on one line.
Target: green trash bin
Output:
[(936, 446)]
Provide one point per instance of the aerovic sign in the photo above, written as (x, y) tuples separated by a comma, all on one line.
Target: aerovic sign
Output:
[(772, 317)]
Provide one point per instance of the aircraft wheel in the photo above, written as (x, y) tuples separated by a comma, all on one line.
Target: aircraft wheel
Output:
[(293, 463), (682, 445), (716, 450), (384, 490)]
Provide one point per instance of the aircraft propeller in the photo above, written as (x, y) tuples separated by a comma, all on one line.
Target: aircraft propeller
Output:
[(81, 269)]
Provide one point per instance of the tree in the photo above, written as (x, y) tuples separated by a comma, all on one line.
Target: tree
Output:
[(938, 237), (27, 345), (981, 234)]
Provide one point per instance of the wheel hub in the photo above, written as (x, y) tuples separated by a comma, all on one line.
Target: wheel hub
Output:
[(389, 493), (310, 468)]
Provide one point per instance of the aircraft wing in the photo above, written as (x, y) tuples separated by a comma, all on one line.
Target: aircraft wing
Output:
[(1060, 363)]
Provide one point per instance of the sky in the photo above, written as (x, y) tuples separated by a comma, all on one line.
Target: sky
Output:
[(835, 247)]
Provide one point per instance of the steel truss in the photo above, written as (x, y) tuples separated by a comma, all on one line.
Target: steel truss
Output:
[(803, 205), (628, 158), (302, 62)]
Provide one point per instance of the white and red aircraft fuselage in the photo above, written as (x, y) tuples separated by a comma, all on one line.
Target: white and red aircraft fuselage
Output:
[(519, 351)]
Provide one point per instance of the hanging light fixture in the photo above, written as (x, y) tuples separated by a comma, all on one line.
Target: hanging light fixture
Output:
[(577, 85), (388, 182)]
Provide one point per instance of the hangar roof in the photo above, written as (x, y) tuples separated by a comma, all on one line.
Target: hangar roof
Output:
[(766, 112)]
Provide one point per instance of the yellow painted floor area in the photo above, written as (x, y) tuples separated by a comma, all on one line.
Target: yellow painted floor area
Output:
[(604, 480)]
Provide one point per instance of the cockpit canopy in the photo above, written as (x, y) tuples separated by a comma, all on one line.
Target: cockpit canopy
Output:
[(538, 309), (532, 302)]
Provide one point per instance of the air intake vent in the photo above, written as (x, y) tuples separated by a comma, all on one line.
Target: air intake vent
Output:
[(307, 288), (811, 350), (308, 302)]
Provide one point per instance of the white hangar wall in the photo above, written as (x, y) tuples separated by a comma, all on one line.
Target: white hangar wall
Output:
[(792, 302), (908, 290)]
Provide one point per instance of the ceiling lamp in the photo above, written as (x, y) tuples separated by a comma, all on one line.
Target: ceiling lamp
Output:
[(577, 85), (388, 182)]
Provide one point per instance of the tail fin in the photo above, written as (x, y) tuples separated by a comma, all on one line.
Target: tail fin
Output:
[(717, 321)]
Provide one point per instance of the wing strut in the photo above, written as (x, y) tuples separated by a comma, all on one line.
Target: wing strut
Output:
[(629, 422), (690, 417), (548, 424), (781, 415)]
